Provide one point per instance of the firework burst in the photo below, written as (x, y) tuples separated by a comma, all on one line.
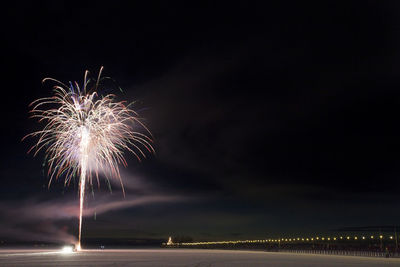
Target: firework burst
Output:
[(85, 134)]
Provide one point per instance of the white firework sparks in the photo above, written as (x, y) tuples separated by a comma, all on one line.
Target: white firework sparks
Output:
[(85, 134)]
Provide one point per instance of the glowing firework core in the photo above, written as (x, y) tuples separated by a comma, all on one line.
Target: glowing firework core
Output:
[(86, 134), (83, 150)]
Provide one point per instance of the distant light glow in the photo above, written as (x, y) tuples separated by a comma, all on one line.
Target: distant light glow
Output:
[(67, 249)]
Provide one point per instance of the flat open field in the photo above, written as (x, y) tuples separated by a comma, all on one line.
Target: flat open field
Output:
[(180, 257)]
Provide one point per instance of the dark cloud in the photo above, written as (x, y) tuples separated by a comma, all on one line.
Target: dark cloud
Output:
[(51, 220)]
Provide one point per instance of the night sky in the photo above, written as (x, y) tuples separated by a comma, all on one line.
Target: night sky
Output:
[(267, 119)]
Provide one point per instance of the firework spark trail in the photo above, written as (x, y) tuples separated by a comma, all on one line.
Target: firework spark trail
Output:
[(86, 133)]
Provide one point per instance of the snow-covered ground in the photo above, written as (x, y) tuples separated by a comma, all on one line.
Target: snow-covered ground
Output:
[(180, 257)]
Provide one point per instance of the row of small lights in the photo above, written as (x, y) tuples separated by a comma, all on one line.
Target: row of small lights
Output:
[(282, 240)]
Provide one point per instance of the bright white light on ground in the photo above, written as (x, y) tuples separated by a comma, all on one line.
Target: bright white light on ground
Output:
[(67, 249)]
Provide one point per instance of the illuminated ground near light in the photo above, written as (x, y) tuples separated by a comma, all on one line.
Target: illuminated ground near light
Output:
[(180, 257)]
